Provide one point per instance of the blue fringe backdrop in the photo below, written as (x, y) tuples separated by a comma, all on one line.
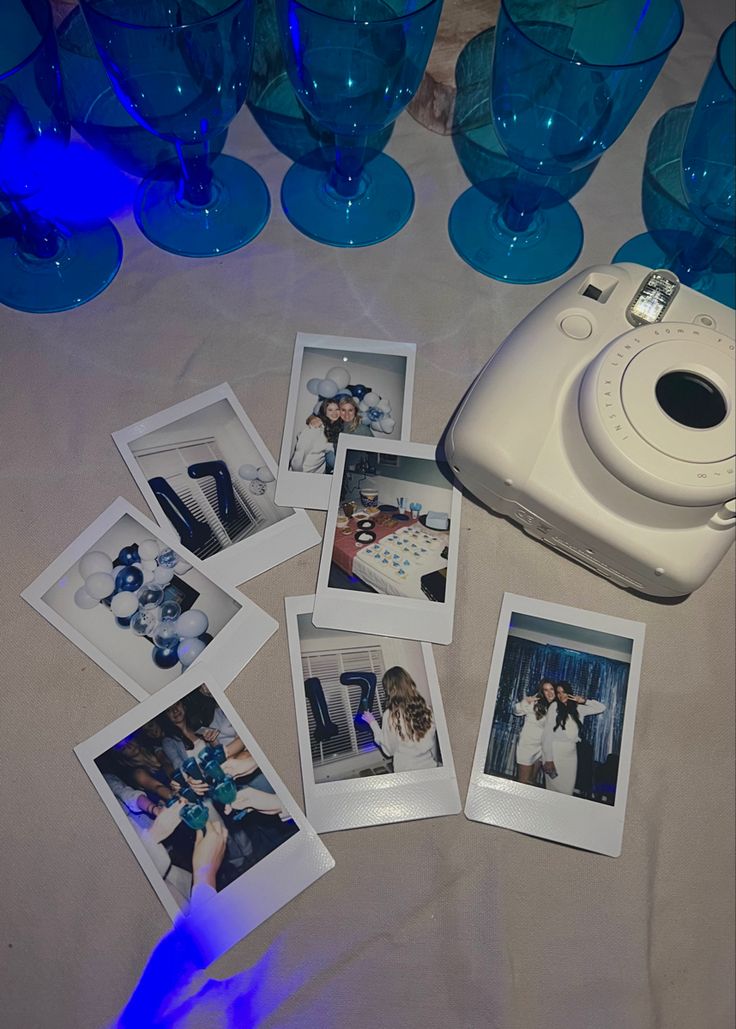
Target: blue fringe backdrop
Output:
[(524, 664)]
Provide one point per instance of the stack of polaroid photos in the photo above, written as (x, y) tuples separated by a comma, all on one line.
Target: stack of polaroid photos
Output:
[(156, 606)]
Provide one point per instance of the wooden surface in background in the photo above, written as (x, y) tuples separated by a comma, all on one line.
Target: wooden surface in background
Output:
[(434, 104)]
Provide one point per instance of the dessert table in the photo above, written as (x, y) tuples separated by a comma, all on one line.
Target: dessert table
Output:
[(427, 924)]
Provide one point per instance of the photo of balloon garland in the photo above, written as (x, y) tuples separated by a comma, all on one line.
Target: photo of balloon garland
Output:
[(133, 586), (375, 411)]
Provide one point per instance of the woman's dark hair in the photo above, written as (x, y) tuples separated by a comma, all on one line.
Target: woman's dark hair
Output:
[(200, 709), (332, 429), (541, 703), (565, 710), (173, 731)]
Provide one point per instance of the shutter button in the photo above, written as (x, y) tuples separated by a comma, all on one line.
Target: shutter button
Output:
[(576, 326)]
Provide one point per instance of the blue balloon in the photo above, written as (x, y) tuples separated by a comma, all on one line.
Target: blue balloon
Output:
[(128, 555), (123, 623), (165, 657), (313, 386), (327, 389), (128, 580), (359, 391), (342, 393), (167, 558)]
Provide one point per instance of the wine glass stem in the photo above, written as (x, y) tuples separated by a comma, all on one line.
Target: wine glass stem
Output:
[(36, 237), (196, 176), (346, 175), (517, 218)]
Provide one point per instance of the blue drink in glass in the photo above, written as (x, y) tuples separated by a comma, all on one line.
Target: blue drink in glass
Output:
[(195, 816)]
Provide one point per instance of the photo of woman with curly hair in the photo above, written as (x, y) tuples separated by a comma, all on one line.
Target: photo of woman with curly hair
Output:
[(407, 732)]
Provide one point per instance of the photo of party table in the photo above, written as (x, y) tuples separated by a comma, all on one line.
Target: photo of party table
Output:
[(395, 562)]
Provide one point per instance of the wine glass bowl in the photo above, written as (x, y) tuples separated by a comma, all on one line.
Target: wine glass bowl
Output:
[(44, 265), (566, 79), (181, 69), (353, 68), (695, 251)]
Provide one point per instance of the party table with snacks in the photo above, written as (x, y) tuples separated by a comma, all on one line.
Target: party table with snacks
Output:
[(426, 923)]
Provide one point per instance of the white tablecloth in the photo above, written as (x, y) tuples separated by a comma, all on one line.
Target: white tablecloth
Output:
[(424, 925)]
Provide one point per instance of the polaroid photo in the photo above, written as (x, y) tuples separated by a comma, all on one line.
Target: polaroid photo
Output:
[(373, 738), (214, 828), (390, 550), (128, 595), (203, 468), (340, 385), (557, 731)]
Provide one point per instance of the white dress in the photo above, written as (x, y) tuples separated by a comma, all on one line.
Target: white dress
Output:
[(529, 744), (561, 746), (409, 755)]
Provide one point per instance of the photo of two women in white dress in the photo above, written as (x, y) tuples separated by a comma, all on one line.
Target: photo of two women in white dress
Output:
[(559, 713)]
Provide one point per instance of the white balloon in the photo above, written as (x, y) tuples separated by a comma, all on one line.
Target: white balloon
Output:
[(191, 623), (189, 650), (94, 561), (327, 388), (386, 424), (384, 406), (264, 474), (163, 575), (248, 471), (182, 567), (339, 375), (124, 604), (148, 550), (148, 566), (100, 585), (83, 599), (371, 399)]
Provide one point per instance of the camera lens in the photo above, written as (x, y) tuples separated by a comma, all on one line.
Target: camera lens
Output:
[(690, 399)]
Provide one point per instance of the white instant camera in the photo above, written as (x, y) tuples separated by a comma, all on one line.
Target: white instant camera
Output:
[(605, 426)]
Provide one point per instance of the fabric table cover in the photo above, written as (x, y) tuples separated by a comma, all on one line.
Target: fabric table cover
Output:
[(421, 925)]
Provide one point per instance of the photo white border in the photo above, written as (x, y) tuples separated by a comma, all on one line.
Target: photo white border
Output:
[(374, 800), (544, 813), (244, 560), (223, 918), (232, 648), (383, 615), (313, 491)]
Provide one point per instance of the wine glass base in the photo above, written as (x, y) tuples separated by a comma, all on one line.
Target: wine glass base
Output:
[(644, 249), (86, 262), (383, 207), (547, 249), (238, 210)]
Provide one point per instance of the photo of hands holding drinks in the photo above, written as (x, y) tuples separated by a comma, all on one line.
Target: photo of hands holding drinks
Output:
[(195, 795)]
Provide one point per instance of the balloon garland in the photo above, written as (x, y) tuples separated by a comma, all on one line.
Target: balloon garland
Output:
[(132, 585), (374, 410)]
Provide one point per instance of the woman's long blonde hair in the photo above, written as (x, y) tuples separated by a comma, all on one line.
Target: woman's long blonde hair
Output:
[(352, 425), (406, 708)]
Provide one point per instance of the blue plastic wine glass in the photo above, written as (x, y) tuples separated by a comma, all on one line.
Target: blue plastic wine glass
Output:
[(354, 67), (181, 69), (708, 178), (566, 79), (44, 266)]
